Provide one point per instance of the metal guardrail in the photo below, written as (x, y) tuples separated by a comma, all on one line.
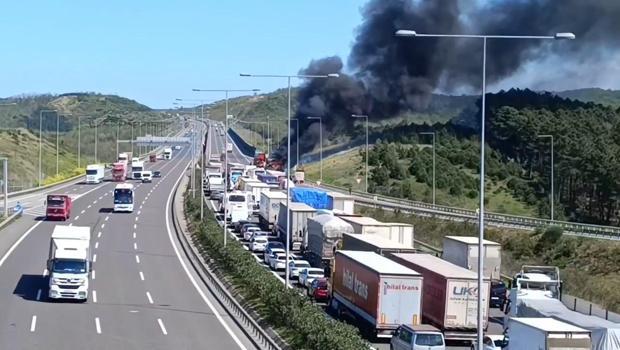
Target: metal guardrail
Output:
[(492, 219), (246, 323)]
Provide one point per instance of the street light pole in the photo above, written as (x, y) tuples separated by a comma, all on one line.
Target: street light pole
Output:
[(552, 171), (412, 33), (367, 149), (320, 145), (57, 130), (434, 177), (5, 187), (41, 142), (79, 139), (96, 138), (288, 161)]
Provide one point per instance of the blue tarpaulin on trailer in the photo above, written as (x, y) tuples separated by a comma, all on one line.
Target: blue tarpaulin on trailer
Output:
[(315, 198)]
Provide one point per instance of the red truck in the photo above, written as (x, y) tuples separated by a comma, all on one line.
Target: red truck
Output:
[(376, 292), (260, 160), (58, 206), (152, 157), (119, 171)]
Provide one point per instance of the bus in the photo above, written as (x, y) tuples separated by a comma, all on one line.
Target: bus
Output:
[(123, 197)]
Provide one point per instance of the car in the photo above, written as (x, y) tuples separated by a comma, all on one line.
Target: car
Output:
[(177, 147), (257, 244), (249, 232), (422, 336), (274, 245), (156, 173), (498, 294), (306, 276), (279, 261), (147, 176), (491, 342), (246, 226), (239, 224), (259, 234), (296, 265), (319, 289), (271, 253)]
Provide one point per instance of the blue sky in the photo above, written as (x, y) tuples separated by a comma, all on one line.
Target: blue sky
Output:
[(155, 51)]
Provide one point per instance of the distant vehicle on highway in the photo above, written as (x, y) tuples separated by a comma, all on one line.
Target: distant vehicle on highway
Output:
[(270, 253), (319, 289), (306, 276), (147, 176), (258, 244), (156, 173), (177, 147), (491, 342), (249, 231), (58, 206), (294, 267)]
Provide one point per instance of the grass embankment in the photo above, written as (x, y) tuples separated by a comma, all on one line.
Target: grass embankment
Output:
[(302, 324), (590, 268)]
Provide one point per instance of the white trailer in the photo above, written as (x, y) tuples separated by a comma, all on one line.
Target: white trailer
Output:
[(269, 207), (397, 232), (463, 251), (546, 333), (257, 188), (94, 173), (69, 262), (167, 153), (298, 225), (341, 202)]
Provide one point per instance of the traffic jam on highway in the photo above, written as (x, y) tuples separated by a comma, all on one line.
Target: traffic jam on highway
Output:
[(371, 274)]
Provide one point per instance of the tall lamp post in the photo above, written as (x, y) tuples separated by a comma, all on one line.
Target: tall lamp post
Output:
[(320, 145), (288, 150), (552, 168), (5, 176), (414, 34), (367, 150), (41, 142), (434, 177)]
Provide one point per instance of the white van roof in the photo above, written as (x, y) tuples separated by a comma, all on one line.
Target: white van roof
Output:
[(71, 232)]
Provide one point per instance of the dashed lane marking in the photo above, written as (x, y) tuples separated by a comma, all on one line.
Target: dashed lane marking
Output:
[(141, 276), (148, 295), (97, 325), (94, 257), (137, 259), (33, 323), (162, 327), (94, 296)]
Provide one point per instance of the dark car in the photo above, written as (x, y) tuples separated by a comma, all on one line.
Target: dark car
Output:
[(156, 173), (319, 290), (498, 294), (238, 226)]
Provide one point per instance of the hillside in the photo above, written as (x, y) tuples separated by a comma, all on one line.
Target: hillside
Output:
[(605, 97), (19, 125)]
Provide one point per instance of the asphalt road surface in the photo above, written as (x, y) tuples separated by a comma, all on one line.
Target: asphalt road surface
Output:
[(142, 294)]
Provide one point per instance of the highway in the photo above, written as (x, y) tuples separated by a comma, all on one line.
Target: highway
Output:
[(142, 292)]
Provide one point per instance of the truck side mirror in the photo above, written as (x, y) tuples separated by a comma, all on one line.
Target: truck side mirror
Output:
[(45, 202)]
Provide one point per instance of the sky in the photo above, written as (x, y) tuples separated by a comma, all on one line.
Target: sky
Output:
[(154, 51)]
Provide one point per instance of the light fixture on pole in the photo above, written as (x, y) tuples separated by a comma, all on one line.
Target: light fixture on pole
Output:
[(413, 33), (367, 149), (434, 176), (288, 150), (552, 171)]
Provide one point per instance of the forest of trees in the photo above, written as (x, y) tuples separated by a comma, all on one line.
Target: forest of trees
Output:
[(586, 155)]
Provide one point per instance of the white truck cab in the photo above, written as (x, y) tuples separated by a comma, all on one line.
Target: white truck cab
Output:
[(167, 153), (69, 262)]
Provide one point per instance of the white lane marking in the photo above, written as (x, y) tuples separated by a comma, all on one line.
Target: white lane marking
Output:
[(99, 234), (95, 202), (100, 198), (135, 246), (38, 295), (45, 272), (33, 323), (136, 218), (97, 325), (137, 259), (71, 224), (139, 211), (96, 245), (189, 275), (106, 218), (134, 226), (83, 211), (77, 217), (93, 273), (94, 296), (141, 276), (161, 325), (143, 202), (134, 235), (148, 295), (94, 257), (102, 225), (89, 206)]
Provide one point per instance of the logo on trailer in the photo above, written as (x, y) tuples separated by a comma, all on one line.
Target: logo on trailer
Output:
[(465, 291)]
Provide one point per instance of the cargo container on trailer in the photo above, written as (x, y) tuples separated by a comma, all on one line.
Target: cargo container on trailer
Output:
[(269, 208), (373, 243), (324, 235), (298, 228), (463, 251), (546, 334)]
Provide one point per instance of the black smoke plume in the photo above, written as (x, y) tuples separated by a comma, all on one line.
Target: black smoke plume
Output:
[(392, 74)]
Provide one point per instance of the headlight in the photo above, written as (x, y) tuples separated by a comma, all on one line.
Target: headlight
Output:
[(82, 282), (56, 281)]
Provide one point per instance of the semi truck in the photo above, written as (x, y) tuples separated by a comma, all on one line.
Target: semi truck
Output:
[(450, 295), (119, 171), (58, 206), (125, 157), (69, 262), (463, 251), (545, 333), (269, 207), (395, 231), (94, 173), (324, 236), (152, 157), (136, 169), (340, 202), (168, 153), (373, 243), (376, 292), (298, 229)]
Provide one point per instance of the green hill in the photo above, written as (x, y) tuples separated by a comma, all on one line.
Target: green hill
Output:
[(601, 96), (72, 114)]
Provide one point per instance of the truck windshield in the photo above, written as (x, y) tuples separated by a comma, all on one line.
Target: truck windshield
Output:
[(55, 202), (123, 196), (236, 198), (69, 266), (91, 172), (136, 168), (429, 339)]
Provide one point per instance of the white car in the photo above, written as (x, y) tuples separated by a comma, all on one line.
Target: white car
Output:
[(279, 261), (306, 276), (271, 253), (258, 244), (247, 234), (294, 267), (490, 342), (259, 234)]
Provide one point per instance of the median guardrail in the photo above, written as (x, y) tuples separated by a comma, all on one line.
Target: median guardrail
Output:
[(11, 218)]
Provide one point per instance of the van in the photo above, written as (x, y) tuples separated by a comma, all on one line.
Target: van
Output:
[(237, 207), (147, 176), (419, 337)]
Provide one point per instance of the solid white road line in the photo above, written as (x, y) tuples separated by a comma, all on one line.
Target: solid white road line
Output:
[(161, 325), (93, 274), (189, 275), (135, 246), (71, 224), (96, 245), (33, 323), (99, 234), (94, 296), (137, 259), (83, 211), (148, 295), (139, 211), (141, 276), (97, 325), (94, 257), (38, 295)]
